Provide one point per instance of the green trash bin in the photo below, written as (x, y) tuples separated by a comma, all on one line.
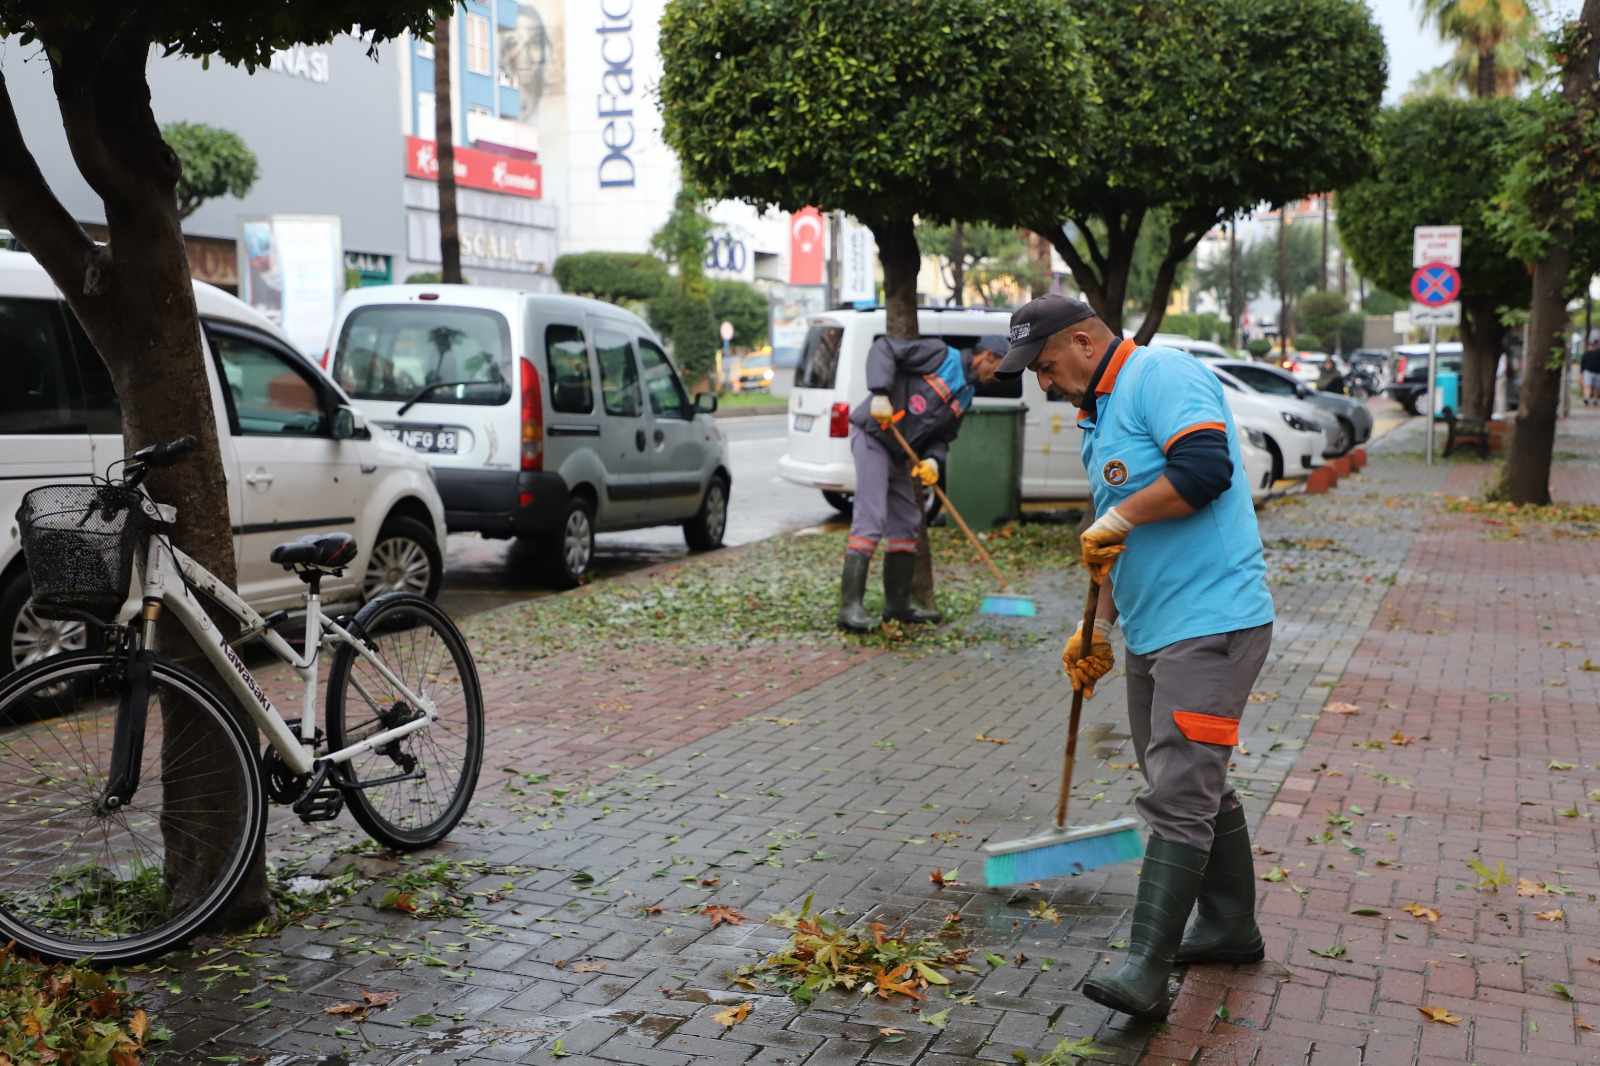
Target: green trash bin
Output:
[(984, 479)]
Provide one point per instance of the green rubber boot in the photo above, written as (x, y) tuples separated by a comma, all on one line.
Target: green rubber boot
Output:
[(1225, 914), (1168, 884), (898, 570), (852, 589)]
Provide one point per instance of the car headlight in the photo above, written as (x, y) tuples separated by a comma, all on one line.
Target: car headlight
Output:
[(1302, 424), (767, 374), (1256, 437)]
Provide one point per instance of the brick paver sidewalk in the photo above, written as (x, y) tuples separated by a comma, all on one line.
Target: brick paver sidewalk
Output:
[(756, 778)]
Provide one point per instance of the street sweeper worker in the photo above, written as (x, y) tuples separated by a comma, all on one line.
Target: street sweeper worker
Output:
[(1177, 557), (923, 386)]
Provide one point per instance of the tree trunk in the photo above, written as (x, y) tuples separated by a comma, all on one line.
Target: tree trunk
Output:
[(1527, 471), (1482, 337), (135, 300), (1103, 276), (897, 250), (1485, 87), (1233, 283), (444, 137), (1041, 262)]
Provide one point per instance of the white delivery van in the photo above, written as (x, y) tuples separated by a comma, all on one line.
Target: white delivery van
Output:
[(545, 417), (831, 379)]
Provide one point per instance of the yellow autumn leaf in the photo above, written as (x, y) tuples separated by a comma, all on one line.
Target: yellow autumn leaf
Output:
[(1549, 916), (1527, 887), (1342, 708), (1439, 1014), (732, 1016), (1277, 873), (1418, 910), (1400, 740)]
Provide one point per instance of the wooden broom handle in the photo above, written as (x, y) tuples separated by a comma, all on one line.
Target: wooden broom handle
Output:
[(948, 506), (1090, 603)]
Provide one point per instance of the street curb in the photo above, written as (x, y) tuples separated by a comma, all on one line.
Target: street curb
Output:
[(748, 412)]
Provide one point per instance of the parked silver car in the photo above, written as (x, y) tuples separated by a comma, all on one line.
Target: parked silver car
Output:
[(1355, 420)]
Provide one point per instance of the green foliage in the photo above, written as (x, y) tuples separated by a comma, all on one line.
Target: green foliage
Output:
[(1461, 138), (681, 312), (68, 1014), (942, 109), (1308, 342), (615, 277), (1258, 348), (1254, 268), (744, 305), (430, 277), (1323, 313), (1383, 302), (215, 163), (992, 257), (244, 33), (1202, 327), (1496, 44), (1148, 251)]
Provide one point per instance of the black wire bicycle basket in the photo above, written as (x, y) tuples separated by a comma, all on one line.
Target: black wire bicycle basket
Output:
[(80, 542)]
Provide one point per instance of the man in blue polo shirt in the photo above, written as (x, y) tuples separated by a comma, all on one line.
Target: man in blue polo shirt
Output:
[(1176, 534)]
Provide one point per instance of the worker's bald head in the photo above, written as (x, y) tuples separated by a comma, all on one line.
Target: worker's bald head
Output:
[(1069, 358)]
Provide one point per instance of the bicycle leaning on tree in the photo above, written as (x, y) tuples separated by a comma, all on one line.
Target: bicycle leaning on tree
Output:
[(135, 801)]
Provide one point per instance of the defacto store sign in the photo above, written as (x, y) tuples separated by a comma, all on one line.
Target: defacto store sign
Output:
[(477, 170), (614, 104)]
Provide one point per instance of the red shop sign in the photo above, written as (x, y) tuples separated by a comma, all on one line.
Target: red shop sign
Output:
[(477, 170)]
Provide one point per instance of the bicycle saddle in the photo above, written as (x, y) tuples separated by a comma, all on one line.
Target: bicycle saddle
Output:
[(325, 551)]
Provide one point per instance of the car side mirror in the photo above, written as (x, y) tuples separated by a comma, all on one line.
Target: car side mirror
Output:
[(348, 423), (705, 403)]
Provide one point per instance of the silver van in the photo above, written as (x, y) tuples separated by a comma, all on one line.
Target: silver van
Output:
[(545, 417)]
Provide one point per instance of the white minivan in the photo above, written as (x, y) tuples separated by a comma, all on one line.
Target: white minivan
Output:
[(831, 379), (294, 461), (545, 417)]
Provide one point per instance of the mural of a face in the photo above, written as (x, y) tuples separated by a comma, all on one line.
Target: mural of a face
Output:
[(531, 53)]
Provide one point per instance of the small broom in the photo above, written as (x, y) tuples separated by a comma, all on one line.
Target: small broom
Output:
[(998, 603), (1059, 851)]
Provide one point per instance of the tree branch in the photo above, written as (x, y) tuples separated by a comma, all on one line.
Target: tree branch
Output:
[(35, 215), (1183, 234), (1087, 278)]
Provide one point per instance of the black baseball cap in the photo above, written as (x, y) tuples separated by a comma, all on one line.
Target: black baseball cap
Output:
[(1032, 325), (992, 343)]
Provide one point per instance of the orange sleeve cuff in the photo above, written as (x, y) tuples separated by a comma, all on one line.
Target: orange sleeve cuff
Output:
[(1207, 728), (1196, 428)]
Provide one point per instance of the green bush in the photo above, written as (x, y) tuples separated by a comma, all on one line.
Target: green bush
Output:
[(744, 305), (1258, 348), (1308, 342), (615, 277), (431, 277), (685, 320)]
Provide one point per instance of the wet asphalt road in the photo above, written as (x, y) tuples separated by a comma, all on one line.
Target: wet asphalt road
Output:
[(480, 574)]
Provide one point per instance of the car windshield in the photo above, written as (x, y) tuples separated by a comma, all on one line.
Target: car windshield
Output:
[(393, 352), (1265, 380)]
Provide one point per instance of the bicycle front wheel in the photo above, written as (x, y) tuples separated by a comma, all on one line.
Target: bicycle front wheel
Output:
[(409, 793), (81, 878)]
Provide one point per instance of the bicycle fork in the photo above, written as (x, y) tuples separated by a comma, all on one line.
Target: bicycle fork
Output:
[(133, 712)]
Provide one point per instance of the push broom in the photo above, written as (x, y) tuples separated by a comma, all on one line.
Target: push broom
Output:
[(998, 603), (1059, 851)]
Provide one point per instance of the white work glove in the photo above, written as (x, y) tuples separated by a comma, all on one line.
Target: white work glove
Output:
[(1102, 543), (881, 410), (927, 472)]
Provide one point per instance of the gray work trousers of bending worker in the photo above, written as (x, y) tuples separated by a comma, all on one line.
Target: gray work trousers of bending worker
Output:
[(1184, 704), (885, 505)]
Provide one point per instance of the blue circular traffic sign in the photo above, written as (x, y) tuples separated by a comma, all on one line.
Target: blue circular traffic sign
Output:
[(1436, 284)]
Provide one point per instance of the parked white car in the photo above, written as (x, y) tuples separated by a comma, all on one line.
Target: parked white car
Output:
[(1295, 438), (295, 463), (831, 380), (544, 417)]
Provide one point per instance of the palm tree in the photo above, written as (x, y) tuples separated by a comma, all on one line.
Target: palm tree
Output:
[(1493, 38)]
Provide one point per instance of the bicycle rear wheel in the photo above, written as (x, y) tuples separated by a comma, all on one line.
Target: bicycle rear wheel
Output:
[(436, 768), (114, 886)]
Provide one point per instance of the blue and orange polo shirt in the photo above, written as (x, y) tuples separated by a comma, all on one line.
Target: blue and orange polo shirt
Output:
[(1185, 577)]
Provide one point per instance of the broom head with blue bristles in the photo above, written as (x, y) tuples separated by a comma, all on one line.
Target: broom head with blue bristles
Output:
[(1009, 606), (1062, 852)]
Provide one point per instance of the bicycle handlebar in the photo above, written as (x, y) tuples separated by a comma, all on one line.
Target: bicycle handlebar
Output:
[(152, 455)]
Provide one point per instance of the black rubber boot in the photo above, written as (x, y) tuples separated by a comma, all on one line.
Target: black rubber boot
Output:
[(898, 569), (1168, 884), (852, 588), (1225, 914)]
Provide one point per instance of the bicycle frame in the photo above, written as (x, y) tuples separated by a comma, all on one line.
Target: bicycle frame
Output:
[(297, 752)]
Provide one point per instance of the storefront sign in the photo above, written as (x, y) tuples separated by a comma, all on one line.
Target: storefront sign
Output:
[(614, 104), (477, 170), (371, 268), (486, 243), (302, 61)]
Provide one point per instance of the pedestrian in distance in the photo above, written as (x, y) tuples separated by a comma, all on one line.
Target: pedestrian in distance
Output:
[(1589, 369), (923, 387), (1177, 557)]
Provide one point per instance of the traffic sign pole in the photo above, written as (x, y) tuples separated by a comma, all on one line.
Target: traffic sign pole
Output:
[(1433, 362)]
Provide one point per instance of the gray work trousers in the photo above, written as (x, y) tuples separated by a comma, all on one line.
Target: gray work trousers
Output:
[(1184, 703), (886, 500)]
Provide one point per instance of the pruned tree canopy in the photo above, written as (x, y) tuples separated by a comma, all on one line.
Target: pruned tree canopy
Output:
[(214, 163), (615, 277), (744, 305)]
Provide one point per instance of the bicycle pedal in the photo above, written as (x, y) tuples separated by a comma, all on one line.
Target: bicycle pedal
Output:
[(322, 802)]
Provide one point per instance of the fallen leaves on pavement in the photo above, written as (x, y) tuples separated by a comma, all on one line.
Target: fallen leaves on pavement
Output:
[(732, 1016), (1549, 916), (1418, 910), (1439, 1014), (357, 1011), (1400, 740), (67, 1014), (1342, 708), (822, 955), (944, 878), (720, 914), (1277, 873), (987, 739), (1069, 1052), (1045, 912)]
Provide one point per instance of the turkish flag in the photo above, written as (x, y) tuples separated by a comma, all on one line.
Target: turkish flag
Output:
[(805, 247)]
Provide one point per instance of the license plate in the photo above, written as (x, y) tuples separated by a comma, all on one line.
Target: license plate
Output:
[(802, 423), (427, 439)]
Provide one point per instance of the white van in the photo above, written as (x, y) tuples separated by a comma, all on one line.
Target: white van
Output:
[(545, 417), (294, 464), (831, 380)]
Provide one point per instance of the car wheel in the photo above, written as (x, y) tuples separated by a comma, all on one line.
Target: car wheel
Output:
[(406, 558), (704, 531), (842, 502), (1347, 435), (1410, 405), (569, 551), (1277, 460), (30, 637)]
